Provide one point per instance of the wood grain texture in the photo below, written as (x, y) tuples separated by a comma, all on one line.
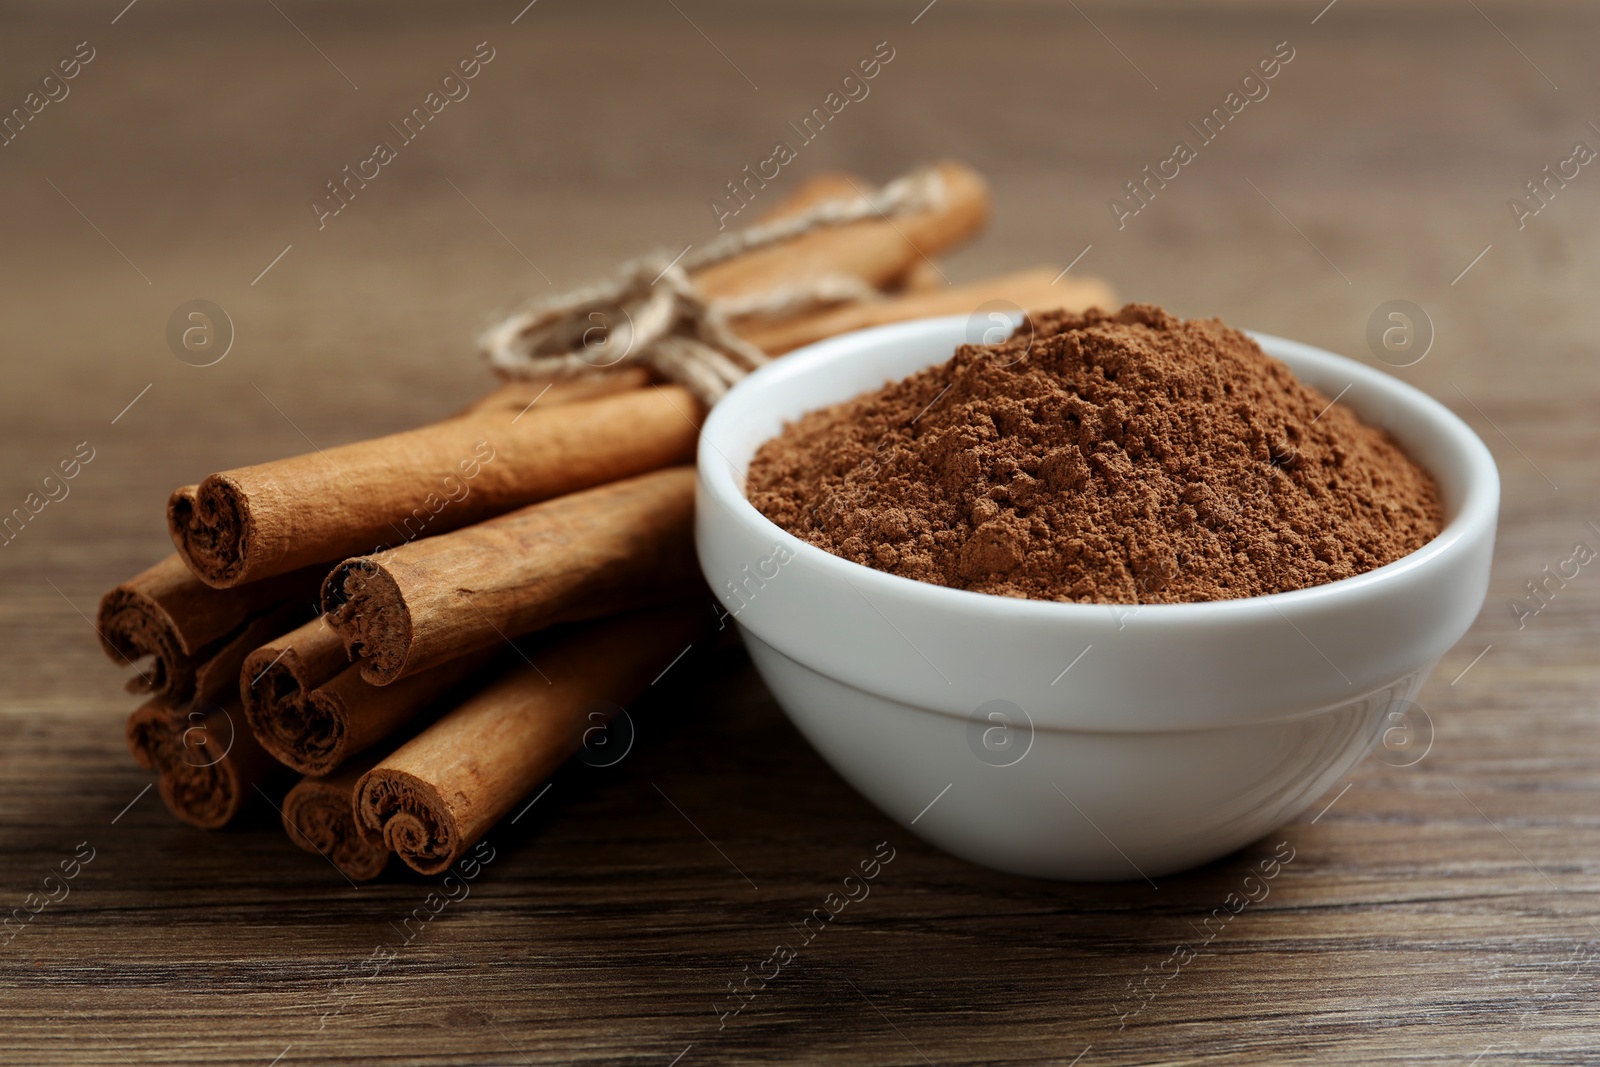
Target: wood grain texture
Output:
[(1442, 913)]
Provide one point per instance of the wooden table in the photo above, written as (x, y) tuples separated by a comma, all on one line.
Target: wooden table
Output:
[(1442, 912)]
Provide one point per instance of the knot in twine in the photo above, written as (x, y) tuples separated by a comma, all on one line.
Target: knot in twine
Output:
[(649, 312)]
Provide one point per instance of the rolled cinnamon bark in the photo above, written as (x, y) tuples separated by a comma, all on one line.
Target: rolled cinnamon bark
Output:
[(217, 677), (210, 765), (1030, 290), (920, 278), (314, 727), (814, 189), (822, 185), (290, 665), (319, 816), (518, 397), (251, 523), (196, 636), (152, 732), (618, 547), (515, 395), (878, 251), (437, 794), (216, 772)]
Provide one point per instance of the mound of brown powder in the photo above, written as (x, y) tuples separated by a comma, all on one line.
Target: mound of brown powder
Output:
[(1118, 458)]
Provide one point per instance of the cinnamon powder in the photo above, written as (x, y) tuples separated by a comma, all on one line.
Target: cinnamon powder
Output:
[(1114, 458)]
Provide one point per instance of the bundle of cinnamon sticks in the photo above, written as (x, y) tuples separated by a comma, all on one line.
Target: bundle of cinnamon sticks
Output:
[(395, 640)]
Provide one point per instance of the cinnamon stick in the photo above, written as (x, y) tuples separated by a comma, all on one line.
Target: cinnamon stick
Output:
[(217, 677), (922, 276), (514, 396), (437, 794), (309, 707), (349, 714), (1039, 289), (250, 523), (517, 396), (195, 636), (875, 250), (210, 765), (289, 664), (822, 185), (617, 547), (816, 188), (276, 679), (152, 733), (319, 816)]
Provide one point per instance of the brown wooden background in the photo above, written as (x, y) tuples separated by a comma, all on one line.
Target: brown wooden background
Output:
[(1438, 913)]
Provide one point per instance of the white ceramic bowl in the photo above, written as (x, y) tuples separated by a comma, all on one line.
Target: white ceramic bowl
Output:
[(1083, 741)]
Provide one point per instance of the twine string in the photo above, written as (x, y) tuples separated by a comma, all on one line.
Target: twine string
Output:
[(650, 312)]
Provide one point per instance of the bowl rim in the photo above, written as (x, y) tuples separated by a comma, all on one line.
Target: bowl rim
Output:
[(1479, 505)]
